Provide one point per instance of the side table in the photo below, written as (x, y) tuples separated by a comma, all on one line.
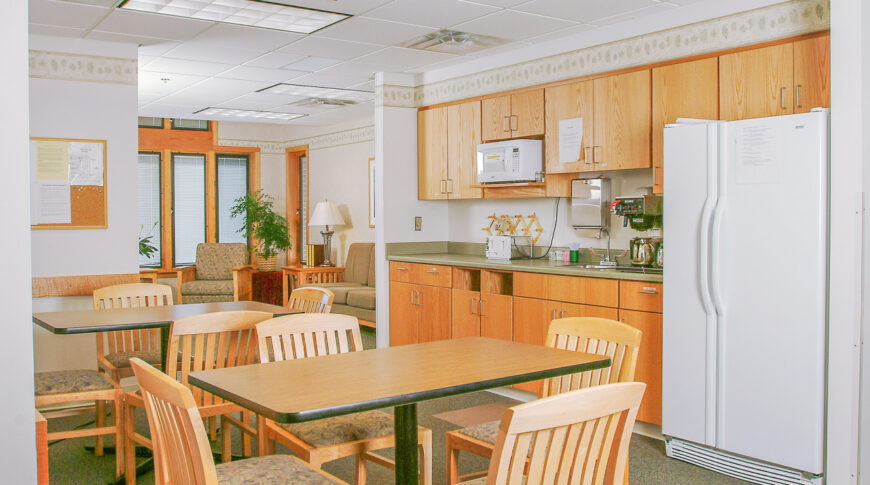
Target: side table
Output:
[(298, 275), (266, 287)]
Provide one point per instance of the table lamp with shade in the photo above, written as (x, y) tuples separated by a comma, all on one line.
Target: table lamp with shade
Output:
[(326, 214)]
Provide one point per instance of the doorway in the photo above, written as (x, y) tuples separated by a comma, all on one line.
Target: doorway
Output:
[(297, 202)]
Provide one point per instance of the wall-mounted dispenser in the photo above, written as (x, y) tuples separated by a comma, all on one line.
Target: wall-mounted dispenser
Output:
[(590, 204)]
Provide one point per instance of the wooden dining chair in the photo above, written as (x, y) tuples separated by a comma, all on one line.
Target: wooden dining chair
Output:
[(311, 300), (579, 436), (601, 336), (204, 342), (182, 454), (316, 442), (115, 349)]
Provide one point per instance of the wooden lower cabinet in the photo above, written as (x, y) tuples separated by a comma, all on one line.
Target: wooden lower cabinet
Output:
[(496, 316), (465, 320), (418, 313), (532, 317), (649, 362), (403, 314)]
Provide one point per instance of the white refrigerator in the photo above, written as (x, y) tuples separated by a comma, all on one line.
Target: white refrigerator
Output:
[(745, 311)]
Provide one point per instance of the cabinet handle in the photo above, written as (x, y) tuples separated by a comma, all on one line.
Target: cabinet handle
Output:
[(449, 186), (504, 124), (588, 157), (472, 306), (401, 269), (419, 298), (480, 308), (562, 315), (442, 187), (649, 290), (782, 97), (797, 96), (432, 271), (515, 127), (412, 297), (554, 314), (595, 152)]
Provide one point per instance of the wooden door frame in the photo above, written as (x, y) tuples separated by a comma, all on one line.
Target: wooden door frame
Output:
[(294, 255)]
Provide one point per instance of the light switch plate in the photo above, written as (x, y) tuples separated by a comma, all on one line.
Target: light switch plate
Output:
[(418, 223)]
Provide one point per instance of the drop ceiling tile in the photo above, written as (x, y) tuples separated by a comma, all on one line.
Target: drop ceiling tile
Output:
[(508, 24), (366, 86), (197, 51), (340, 76), (40, 29), (582, 10), (144, 60), (179, 66), (274, 60), (381, 32), (261, 74), (510, 47), (576, 29), (641, 12), (152, 25), (164, 83), (500, 3), (239, 103), (401, 59), (353, 7), (441, 14), (156, 47), (325, 47), (230, 87), (131, 39), (65, 14), (269, 99), (311, 64), (162, 110), (265, 40), (147, 98)]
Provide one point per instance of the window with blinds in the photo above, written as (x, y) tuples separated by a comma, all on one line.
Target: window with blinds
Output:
[(232, 183), (303, 206), (188, 207), (185, 124), (148, 201)]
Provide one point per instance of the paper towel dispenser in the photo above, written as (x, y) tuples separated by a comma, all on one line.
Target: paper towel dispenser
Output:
[(590, 203)]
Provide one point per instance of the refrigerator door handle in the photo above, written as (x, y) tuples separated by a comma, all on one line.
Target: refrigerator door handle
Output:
[(710, 204), (715, 336)]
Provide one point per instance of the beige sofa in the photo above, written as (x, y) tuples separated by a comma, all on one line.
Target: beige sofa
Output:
[(355, 295)]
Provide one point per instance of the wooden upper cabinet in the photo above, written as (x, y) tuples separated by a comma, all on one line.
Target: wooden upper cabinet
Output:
[(496, 114), (527, 113), (756, 83), (622, 119), (563, 102), (432, 154), (684, 90), (463, 136), (513, 116), (812, 73)]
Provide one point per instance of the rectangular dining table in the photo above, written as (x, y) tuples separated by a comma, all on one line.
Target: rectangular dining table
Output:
[(93, 321), (295, 391)]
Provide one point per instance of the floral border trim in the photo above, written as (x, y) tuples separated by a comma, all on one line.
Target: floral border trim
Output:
[(273, 147), (329, 140), (80, 67), (395, 96), (746, 28)]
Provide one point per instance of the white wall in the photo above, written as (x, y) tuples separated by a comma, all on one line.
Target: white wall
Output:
[(18, 446), (468, 217), (94, 110)]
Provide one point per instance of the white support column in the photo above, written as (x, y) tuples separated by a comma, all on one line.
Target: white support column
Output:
[(18, 446)]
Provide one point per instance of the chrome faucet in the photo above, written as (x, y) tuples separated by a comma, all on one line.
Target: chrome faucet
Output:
[(607, 260)]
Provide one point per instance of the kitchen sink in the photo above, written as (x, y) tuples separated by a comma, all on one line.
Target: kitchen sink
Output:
[(625, 269)]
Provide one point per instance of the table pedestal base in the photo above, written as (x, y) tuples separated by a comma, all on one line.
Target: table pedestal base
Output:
[(407, 459)]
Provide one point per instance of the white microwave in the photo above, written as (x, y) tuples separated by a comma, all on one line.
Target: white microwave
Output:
[(509, 161)]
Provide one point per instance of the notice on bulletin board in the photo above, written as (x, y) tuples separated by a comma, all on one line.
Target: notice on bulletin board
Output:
[(85, 163)]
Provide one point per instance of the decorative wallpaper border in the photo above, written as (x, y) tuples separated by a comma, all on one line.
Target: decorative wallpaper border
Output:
[(80, 67), (273, 147), (778, 21), (329, 140)]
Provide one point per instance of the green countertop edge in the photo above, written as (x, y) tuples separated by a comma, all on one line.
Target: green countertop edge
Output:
[(522, 265)]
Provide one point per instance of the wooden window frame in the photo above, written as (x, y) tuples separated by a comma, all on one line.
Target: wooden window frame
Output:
[(217, 193), (160, 205), (292, 155), (205, 183)]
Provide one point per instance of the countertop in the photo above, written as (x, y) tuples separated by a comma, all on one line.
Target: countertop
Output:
[(526, 265)]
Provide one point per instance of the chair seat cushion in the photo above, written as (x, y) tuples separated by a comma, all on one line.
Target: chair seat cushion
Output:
[(271, 470), (65, 381), (485, 432), (340, 290), (122, 359), (342, 429), (364, 298), (207, 287)]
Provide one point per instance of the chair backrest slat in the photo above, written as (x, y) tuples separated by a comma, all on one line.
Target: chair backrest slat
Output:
[(131, 295), (602, 336), (311, 299), (307, 335), (212, 341), (182, 454), (577, 437)]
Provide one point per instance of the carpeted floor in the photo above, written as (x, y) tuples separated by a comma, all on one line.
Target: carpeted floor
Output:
[(70, 463)]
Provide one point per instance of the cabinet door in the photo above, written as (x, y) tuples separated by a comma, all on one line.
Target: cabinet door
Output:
[(463, 136), (575, 310), (649, 362), (496, 316), (532, 318), (756, 83), (527, 113), (432, 154), (566, 102), (433, 313), (812, 73), (623, 117), (403, 314), (495, 118), (465, 318), (684, 90)]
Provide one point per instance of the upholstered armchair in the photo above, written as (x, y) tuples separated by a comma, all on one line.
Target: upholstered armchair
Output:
[(222, 273)]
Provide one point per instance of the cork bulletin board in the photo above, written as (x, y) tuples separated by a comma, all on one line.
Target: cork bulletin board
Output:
[(73, 168)]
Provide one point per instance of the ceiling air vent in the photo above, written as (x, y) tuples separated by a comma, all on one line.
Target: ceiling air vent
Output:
[(453, 42)]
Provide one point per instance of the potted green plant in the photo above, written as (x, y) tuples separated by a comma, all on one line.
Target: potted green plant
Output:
[(146, 247), (268, 229)]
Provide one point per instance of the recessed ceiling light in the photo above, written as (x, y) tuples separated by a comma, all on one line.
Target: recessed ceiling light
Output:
[(453, 42), (347, 95), (323, 103), (255, 13), (251, 114)]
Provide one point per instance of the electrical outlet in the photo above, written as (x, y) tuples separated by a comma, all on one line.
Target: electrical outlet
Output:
[(418, 223)]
